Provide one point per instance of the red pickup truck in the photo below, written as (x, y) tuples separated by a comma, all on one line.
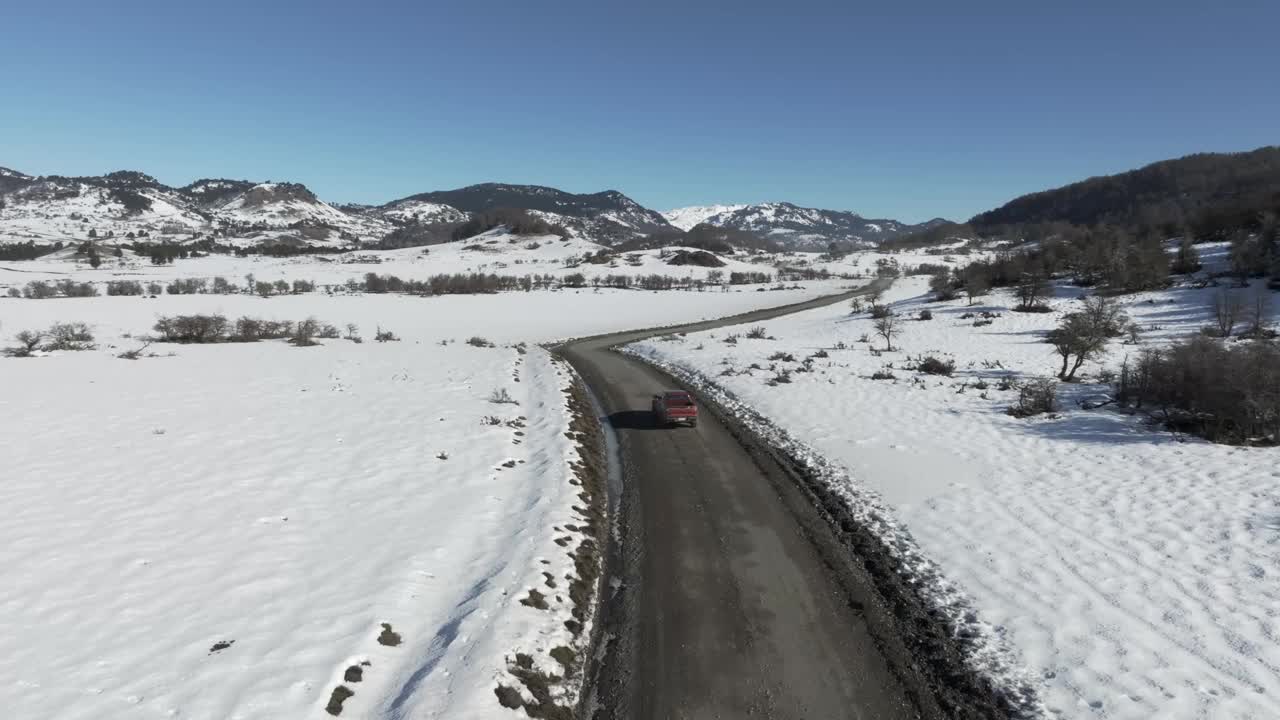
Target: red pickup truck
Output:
[(674, 406)]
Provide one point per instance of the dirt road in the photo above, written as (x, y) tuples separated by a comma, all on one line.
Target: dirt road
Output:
[(730, 595)]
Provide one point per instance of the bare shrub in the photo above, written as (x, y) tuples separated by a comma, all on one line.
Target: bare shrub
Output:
[(154, 288), (926, 314), (39, 290), (303, 286), (934, 366), (1035, 397), (134, 354), (187, 286), (28, 341), (385, 335), (1224, 393), (490, 420), (781, 377), (69, 336), (782, 356), (14, 292), (943, 286), (757, 333), (192, 328), (477, 341), (304, 333), (883, 374), (124, 287), (71, 289), (500, 396), (880, 311), (353, 333)]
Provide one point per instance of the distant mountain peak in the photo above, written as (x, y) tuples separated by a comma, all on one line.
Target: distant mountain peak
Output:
[(790, 224)]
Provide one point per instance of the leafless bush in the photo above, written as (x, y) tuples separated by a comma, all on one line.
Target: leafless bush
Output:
[(1035, 397), (39, 290), (500, 396), (757, 333), (28, 341), (385, 336), (154, 288), (192, 328), (187, 286), (353, 333), (134, 354), (883, 374), (479, 342), (124, 287), (781, 377), (926, 314), (69, 336), (1224, 393), (71, 288), (782, 356), (304, 333), (490, 420), (880, 311), (934, 366), (731, 340)]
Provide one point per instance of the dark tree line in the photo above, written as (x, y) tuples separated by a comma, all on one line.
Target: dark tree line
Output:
[(519, 222)]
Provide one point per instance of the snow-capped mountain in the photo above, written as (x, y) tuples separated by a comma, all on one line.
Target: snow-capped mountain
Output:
[(607, 217), (51, 209), (67, 209), (793, 226), (687, 217)]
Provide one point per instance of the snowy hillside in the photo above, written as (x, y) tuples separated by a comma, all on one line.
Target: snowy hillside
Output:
[(793, 226), (54, 209), (606, 217), (1121, 570)]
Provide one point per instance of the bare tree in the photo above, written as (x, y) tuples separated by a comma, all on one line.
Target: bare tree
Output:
[(976, 284), (1227, 309), (1260, 312), (1084, 334), (886, 327), (1075, 338), (1032, 290)]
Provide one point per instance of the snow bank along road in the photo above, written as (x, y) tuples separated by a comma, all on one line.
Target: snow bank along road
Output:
[(734, 597)]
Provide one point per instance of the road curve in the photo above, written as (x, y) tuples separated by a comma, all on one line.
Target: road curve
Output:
[(729, 596)]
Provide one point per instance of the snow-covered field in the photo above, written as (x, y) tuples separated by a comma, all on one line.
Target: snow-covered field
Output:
[(1128, 572), (222, 531)]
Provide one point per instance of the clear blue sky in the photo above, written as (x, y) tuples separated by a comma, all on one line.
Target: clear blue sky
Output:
[(906, 110)]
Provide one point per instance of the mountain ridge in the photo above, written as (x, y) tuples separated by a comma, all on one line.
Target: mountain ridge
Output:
[(58, 208)]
